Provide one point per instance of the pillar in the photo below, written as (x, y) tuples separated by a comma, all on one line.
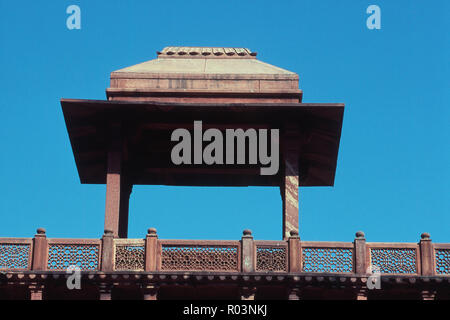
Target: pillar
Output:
[(151, 250), (295, 252), (107, 251), (40, 250), (118, 189), (248, 254), (290, 180), (359, 246), (426, 255)]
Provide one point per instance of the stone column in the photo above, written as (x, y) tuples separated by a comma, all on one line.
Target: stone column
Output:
[(248, 255), (40, 245), (151, 250), (118, 189), (295, 252), (107, 251), (290, 183), (426, 255), (359, 246), (113, 194)]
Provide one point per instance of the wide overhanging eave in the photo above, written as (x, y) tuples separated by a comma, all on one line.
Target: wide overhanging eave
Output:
[(86, 122)]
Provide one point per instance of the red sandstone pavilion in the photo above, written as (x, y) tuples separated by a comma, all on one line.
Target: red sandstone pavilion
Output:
[(125, 141)]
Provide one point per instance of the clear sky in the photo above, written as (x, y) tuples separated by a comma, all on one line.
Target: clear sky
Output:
[(393, 172)]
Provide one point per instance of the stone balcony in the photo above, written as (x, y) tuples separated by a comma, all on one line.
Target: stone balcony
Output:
[(151, 267)]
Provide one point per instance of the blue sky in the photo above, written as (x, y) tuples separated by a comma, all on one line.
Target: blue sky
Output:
[(393, 173)]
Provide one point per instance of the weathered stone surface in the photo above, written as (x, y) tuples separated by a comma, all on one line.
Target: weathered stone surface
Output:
[(186, 74)]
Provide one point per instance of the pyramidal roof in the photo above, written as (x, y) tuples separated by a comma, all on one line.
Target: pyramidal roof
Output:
[(204, 72), (205, 60)]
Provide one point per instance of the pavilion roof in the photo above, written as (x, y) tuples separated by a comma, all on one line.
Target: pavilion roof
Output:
[(148, 126)]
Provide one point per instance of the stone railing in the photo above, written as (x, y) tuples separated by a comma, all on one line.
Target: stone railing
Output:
[(151, 254)]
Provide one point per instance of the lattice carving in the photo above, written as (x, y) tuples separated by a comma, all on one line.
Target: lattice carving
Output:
[(200, 258), (129, 257), (61, 256), (271, 259), (442, 261), (333, 260), (394, 260), (14, 256)]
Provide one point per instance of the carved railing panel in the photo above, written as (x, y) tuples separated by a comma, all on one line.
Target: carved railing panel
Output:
[(199, 257), (15, 255), (224, 256), (271, 258), (442, 259), (129, 254), (62, 255), (326, 259), (396, 260)]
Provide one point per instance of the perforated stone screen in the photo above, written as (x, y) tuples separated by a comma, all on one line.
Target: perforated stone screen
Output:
[(271, 259), (14, 256), (394, 260), (62, 256), (442, 258), (333, 260), (202, 258), (129, 257)]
